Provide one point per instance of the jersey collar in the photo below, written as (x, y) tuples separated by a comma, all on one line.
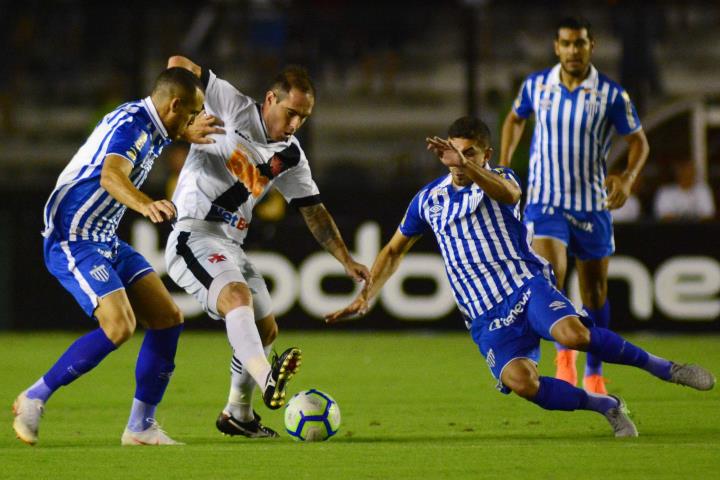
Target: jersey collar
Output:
[(590, 82), (150, 107)]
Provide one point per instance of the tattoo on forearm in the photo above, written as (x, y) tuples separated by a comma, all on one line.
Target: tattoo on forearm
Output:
[(323, 228)]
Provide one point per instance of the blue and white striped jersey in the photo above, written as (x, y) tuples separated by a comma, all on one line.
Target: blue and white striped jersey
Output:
[(483, 242), (572, 138), (79, 208)]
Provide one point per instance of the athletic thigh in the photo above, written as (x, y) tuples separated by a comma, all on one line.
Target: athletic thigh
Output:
[(152, 303)]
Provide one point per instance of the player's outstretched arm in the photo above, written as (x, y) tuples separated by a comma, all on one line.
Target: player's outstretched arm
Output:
[(620, 186), (115, 179), (495, 186), (511, 134), (323, 228), (386, 263)]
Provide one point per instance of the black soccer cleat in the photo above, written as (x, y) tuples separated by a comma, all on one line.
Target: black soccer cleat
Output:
[(282, 369), (228, 425)]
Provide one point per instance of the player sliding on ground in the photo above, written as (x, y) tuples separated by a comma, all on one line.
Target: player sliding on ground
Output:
[(504, 290)]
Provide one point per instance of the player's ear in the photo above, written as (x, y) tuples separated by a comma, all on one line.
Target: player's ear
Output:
[(175, 104), (270, 97), (488, 154)]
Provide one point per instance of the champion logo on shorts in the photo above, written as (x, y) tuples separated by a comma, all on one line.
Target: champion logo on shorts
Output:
[(556, 305), (217, 257), (100, 273), (490, 359)]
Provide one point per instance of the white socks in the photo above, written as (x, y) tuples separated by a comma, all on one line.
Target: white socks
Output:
[(242, 386), (245, 341)]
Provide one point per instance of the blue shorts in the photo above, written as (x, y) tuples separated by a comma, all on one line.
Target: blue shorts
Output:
[(587, 235), (92, 270), (514, 328)]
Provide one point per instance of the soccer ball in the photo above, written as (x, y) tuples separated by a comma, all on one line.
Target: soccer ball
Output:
[(312, 416)]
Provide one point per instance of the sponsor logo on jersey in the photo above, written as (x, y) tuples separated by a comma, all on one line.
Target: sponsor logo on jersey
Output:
[(100, 273), (435, 211), (246, 172), (105, 253), (519, 307), (216, 258), (232, 219), (579, 224)]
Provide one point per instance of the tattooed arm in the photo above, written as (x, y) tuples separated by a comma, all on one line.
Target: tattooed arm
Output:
[(323, 228)]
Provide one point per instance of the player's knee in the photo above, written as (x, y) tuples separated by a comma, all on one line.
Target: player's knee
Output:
[(233, 295), (173, 317), (576, 339), (521, 379), (120, 330), (594, 295)]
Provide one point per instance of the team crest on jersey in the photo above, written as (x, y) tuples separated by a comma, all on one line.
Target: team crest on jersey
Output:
[(100, 273)]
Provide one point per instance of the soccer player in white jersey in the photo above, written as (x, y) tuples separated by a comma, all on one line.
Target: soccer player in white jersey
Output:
[(503, 289), (217, 190), (112, 282), (569, 192)]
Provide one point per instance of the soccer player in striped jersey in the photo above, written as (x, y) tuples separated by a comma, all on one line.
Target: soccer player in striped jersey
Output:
[(569, 192), (218, 188), (503, 289), (112, 282)]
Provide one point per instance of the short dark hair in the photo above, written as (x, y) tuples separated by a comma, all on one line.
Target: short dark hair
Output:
[(293, 76), (470, 128), (178, 81), (574, 23)]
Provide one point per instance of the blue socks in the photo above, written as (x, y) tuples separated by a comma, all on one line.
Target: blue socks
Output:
[(81, 357), (155, 365), (611, 347), (600, 318), (555, 394)]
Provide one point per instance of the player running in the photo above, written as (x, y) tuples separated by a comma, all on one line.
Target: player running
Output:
[(503, 289), (218, 188), (112, 282)]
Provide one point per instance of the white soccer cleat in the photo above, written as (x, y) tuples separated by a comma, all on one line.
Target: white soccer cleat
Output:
[(620, 420), (28, 412), (153, 435)]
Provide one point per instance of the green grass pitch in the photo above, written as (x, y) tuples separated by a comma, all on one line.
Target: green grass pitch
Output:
[(414, 406)]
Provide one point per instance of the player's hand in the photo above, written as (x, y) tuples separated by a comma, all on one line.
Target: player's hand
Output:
[(357, 271), (201, 127), (357, 308), (446, 152), (618, 187), (159, 210)]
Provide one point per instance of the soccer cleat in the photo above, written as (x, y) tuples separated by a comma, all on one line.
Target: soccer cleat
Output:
[(619, 420), (565, 366), (228, 425), (595, 384), (153, 435), (691, 375), (282, 369), (28, 412)]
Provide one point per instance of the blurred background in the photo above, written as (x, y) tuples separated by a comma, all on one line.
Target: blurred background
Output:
[(388, 74)]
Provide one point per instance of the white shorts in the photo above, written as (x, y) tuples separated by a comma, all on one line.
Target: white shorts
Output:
[(202, 263)]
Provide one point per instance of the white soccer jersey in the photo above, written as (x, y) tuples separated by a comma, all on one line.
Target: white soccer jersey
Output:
[(222, 182)]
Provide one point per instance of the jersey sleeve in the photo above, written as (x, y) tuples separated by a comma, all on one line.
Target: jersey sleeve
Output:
[(412, 223), (221, 98), (623, 115), (523, 106), (297, 185), (128, 141)]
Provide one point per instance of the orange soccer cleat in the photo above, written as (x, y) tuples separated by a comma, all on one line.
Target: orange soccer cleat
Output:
[(595, 384), (565, 363)]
